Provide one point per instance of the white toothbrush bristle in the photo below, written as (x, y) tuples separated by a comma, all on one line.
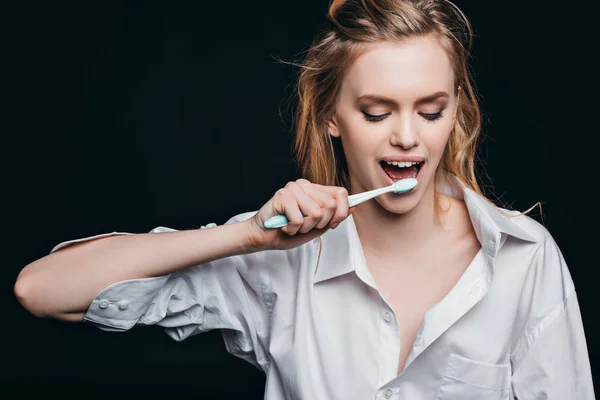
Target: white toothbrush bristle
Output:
[(405, 185)]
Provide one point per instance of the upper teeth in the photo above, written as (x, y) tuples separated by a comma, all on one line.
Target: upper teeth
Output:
[(402, 164)]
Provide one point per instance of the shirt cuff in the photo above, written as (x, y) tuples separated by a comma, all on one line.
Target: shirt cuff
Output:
[(120, 306)]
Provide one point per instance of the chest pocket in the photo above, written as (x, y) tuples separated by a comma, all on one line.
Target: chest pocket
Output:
[(466, 379)]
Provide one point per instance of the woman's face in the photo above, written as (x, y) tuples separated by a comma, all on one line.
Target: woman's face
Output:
[(396, 102)]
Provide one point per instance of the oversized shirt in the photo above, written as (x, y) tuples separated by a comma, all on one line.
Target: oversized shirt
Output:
[(313, 319)]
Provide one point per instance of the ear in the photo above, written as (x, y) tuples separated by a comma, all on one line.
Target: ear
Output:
[(332, 126)]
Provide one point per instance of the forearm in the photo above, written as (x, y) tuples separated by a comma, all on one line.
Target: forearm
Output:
[(64, 283)]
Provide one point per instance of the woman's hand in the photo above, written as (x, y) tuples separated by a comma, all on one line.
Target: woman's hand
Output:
[(311, 210)]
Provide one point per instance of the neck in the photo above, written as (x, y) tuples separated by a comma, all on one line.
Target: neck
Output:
[(389, 234)]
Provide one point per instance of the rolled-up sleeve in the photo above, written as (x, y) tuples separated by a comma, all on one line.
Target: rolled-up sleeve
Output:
[(226, 294), (551, 360)]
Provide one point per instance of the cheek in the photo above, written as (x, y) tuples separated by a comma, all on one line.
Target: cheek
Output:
[(358, 134), (436, 137)]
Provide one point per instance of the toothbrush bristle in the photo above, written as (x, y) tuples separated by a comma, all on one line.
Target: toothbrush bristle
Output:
[(405, 185)]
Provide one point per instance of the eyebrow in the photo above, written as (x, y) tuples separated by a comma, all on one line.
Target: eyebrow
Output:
[(386, 100)]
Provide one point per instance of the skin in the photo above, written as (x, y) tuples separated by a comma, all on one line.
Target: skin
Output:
[(400, 230), (401, 72)]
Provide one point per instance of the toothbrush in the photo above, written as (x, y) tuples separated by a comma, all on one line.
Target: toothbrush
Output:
[(398, 187)]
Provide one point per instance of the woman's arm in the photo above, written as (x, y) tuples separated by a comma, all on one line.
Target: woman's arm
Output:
[(550, 359), (63, 284), (556, 364)]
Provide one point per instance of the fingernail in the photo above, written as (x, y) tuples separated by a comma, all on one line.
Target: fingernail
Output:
[(335, 225)]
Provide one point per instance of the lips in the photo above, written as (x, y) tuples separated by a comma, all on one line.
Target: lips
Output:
[(391, 180)]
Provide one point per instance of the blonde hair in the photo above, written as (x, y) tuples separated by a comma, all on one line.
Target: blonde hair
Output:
[(352, 24)]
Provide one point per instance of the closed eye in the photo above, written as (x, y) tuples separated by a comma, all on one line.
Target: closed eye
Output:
[(430, 117), (375, 118)]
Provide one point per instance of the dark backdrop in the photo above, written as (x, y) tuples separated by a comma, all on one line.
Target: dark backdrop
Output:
[(128, 116)]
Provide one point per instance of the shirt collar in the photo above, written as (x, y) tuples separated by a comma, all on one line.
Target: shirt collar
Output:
[(492, 226)]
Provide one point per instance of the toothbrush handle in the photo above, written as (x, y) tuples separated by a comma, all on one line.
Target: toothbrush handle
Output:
[(276, 222), (281, 220), (356, 199)]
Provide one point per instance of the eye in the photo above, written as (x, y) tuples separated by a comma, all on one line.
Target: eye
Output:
[(374, 118), (432, 117)]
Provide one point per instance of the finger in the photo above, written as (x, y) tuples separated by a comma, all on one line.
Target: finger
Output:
[(341, 211), (328, 189), (285, 203), (327, 202), (311, 210)]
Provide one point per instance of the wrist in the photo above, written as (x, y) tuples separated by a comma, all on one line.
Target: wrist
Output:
[(254, 236)]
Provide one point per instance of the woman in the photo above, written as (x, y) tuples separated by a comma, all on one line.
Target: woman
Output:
[(436, 293)]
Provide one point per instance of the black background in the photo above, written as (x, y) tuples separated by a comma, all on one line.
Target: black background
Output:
[(124, 117)]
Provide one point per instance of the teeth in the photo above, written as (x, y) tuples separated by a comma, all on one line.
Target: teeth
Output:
[(402, 164)]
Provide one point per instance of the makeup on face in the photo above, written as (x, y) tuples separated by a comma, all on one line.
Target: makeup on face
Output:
[(395, 113), (376, 108)]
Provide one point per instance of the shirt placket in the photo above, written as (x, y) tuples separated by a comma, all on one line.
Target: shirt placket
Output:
[(389, 350), (389, 343)]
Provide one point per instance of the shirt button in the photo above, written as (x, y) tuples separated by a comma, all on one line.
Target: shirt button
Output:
[(388, 393), (122, 305), (103, 304), (387, 316)]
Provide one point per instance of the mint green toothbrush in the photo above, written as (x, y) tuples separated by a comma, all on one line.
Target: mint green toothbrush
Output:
[(401, 186)]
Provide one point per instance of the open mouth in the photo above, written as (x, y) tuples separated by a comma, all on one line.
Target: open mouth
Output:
[(397, 170)]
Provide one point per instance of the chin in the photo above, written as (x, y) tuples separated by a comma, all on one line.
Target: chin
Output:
[(406, 202), (399, 204)]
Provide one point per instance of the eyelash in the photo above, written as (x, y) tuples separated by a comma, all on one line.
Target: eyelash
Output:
[(428, 117)]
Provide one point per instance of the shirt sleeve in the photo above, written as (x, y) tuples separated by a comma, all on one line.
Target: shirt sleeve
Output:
[(551, 360), (227, 294)]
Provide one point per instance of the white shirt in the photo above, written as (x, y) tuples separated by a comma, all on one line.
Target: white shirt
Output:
[(510, 328)]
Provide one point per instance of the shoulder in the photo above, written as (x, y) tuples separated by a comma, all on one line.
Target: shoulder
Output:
[(547, 264), (529, 225), (545, 245)]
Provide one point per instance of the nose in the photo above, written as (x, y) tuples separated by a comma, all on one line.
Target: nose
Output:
[(404, 133)]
